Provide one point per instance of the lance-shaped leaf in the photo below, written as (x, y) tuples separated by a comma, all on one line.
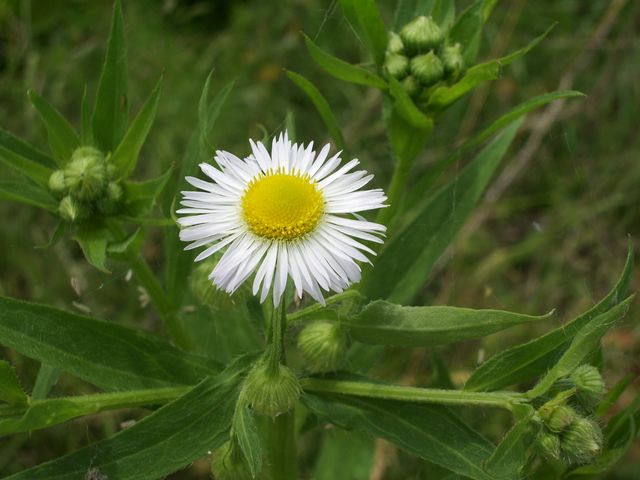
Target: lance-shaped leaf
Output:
[(63, 139), (246, 432), (331, 462), (110, 356), (159, 444), (467, 30), (510, 456), (364, 17), (322, 106), (25, 159), (432, 432), (29, 194), (343, 70), (126, 155), (141, 196), (404, 264), (384, 323), (530, 360), (111, 112), (93, 240), (406, 108), (10, 390)]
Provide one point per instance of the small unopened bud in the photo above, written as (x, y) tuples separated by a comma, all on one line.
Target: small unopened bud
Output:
[(557, 418), (57, 183), (421, 34), (411, 86), (271, 390), (549, 445), (395, 44), (228, 463), (427, 68), (453, 61), (86, 173), (589, 385), (69, 209), (396, 65), (323, 346), (582, 441)]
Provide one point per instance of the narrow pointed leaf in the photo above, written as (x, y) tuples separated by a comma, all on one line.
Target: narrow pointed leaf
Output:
[(93, 240), (467, 31), (107, 355), (10, 390), (510, 456), (246, 431), (141, 196), (343, 70), (532, 359), (111, 113), (126, 155), (86, 132), (384, 323), (406, 108), (63, 139), (28, 194), (444, 13), (25, 159), (365, 18)]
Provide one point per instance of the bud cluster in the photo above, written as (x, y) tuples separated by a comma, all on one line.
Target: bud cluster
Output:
[(86, 186), (420, 57)]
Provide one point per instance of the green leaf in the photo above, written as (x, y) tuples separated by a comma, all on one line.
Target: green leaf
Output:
[(141, 196), (343, 70), (511, 454), (405, 12), (29, 194), (111, 113), (444, 13), (45, 380), (322, 106), (10, 390), (467, 30), (63, 139), (86, 133), (246, 431), (132, 243), (25, 159), (530, 360), (159, 444), (332, 463), (404, 264), (126, 155), (384, 323), (430, 431), (613, 395), (406, 108), (365, 18), (586, 340), (107, 355), (93, 241)]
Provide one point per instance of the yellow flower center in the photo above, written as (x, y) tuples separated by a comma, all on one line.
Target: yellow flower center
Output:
[(281, 206)]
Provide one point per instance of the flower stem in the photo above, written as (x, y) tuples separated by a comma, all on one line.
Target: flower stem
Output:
[(281, 462), (505, 400)]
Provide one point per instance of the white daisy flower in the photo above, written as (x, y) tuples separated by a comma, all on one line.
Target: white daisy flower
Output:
[(292, 213)]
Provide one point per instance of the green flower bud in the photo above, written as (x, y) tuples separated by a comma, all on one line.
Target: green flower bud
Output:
[(395, 44), (452, 61), (111, 200), (86, 174), (421, 34), (427, 68), (582, 441), (57, 184), (411, 86), (589, 385), (396, 65), (323, 346), (229, 464), (72, 210), (557, 418), (548, 445), (271, 392)]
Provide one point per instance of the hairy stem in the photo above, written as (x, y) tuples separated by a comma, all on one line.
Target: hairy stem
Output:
[(281, 462)]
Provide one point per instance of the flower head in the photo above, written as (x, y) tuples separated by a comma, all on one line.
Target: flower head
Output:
[(289, 213)]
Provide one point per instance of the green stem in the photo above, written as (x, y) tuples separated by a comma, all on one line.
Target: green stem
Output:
[(278, 327), (414, 394), (281, 463), (396, 189), (316, 307)]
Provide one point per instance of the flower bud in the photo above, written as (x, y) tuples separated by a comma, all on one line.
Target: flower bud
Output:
[(323, 346), (557, 418), (549, 445), (229, 464), (396, 65), (86, 173), (271, 392), (589, 385), (395, 44), (69, 209), (582, 441), (411, 86), (57, 184), (452, 61), (421, 35), (427, 68)]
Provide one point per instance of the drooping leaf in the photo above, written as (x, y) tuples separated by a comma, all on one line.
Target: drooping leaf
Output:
[(29, 194), (110, 356), (322, 106), (11, 391), (126, 155), (63, 139), (111, 113), (384, 323), (343, 70), (530, 360), (585, 341), (365, 18), (404, 264), (159, 444), (246, 431), (25, 159), (430, 431)]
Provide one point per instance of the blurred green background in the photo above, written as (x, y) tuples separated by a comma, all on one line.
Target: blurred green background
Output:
[(553, 229)]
